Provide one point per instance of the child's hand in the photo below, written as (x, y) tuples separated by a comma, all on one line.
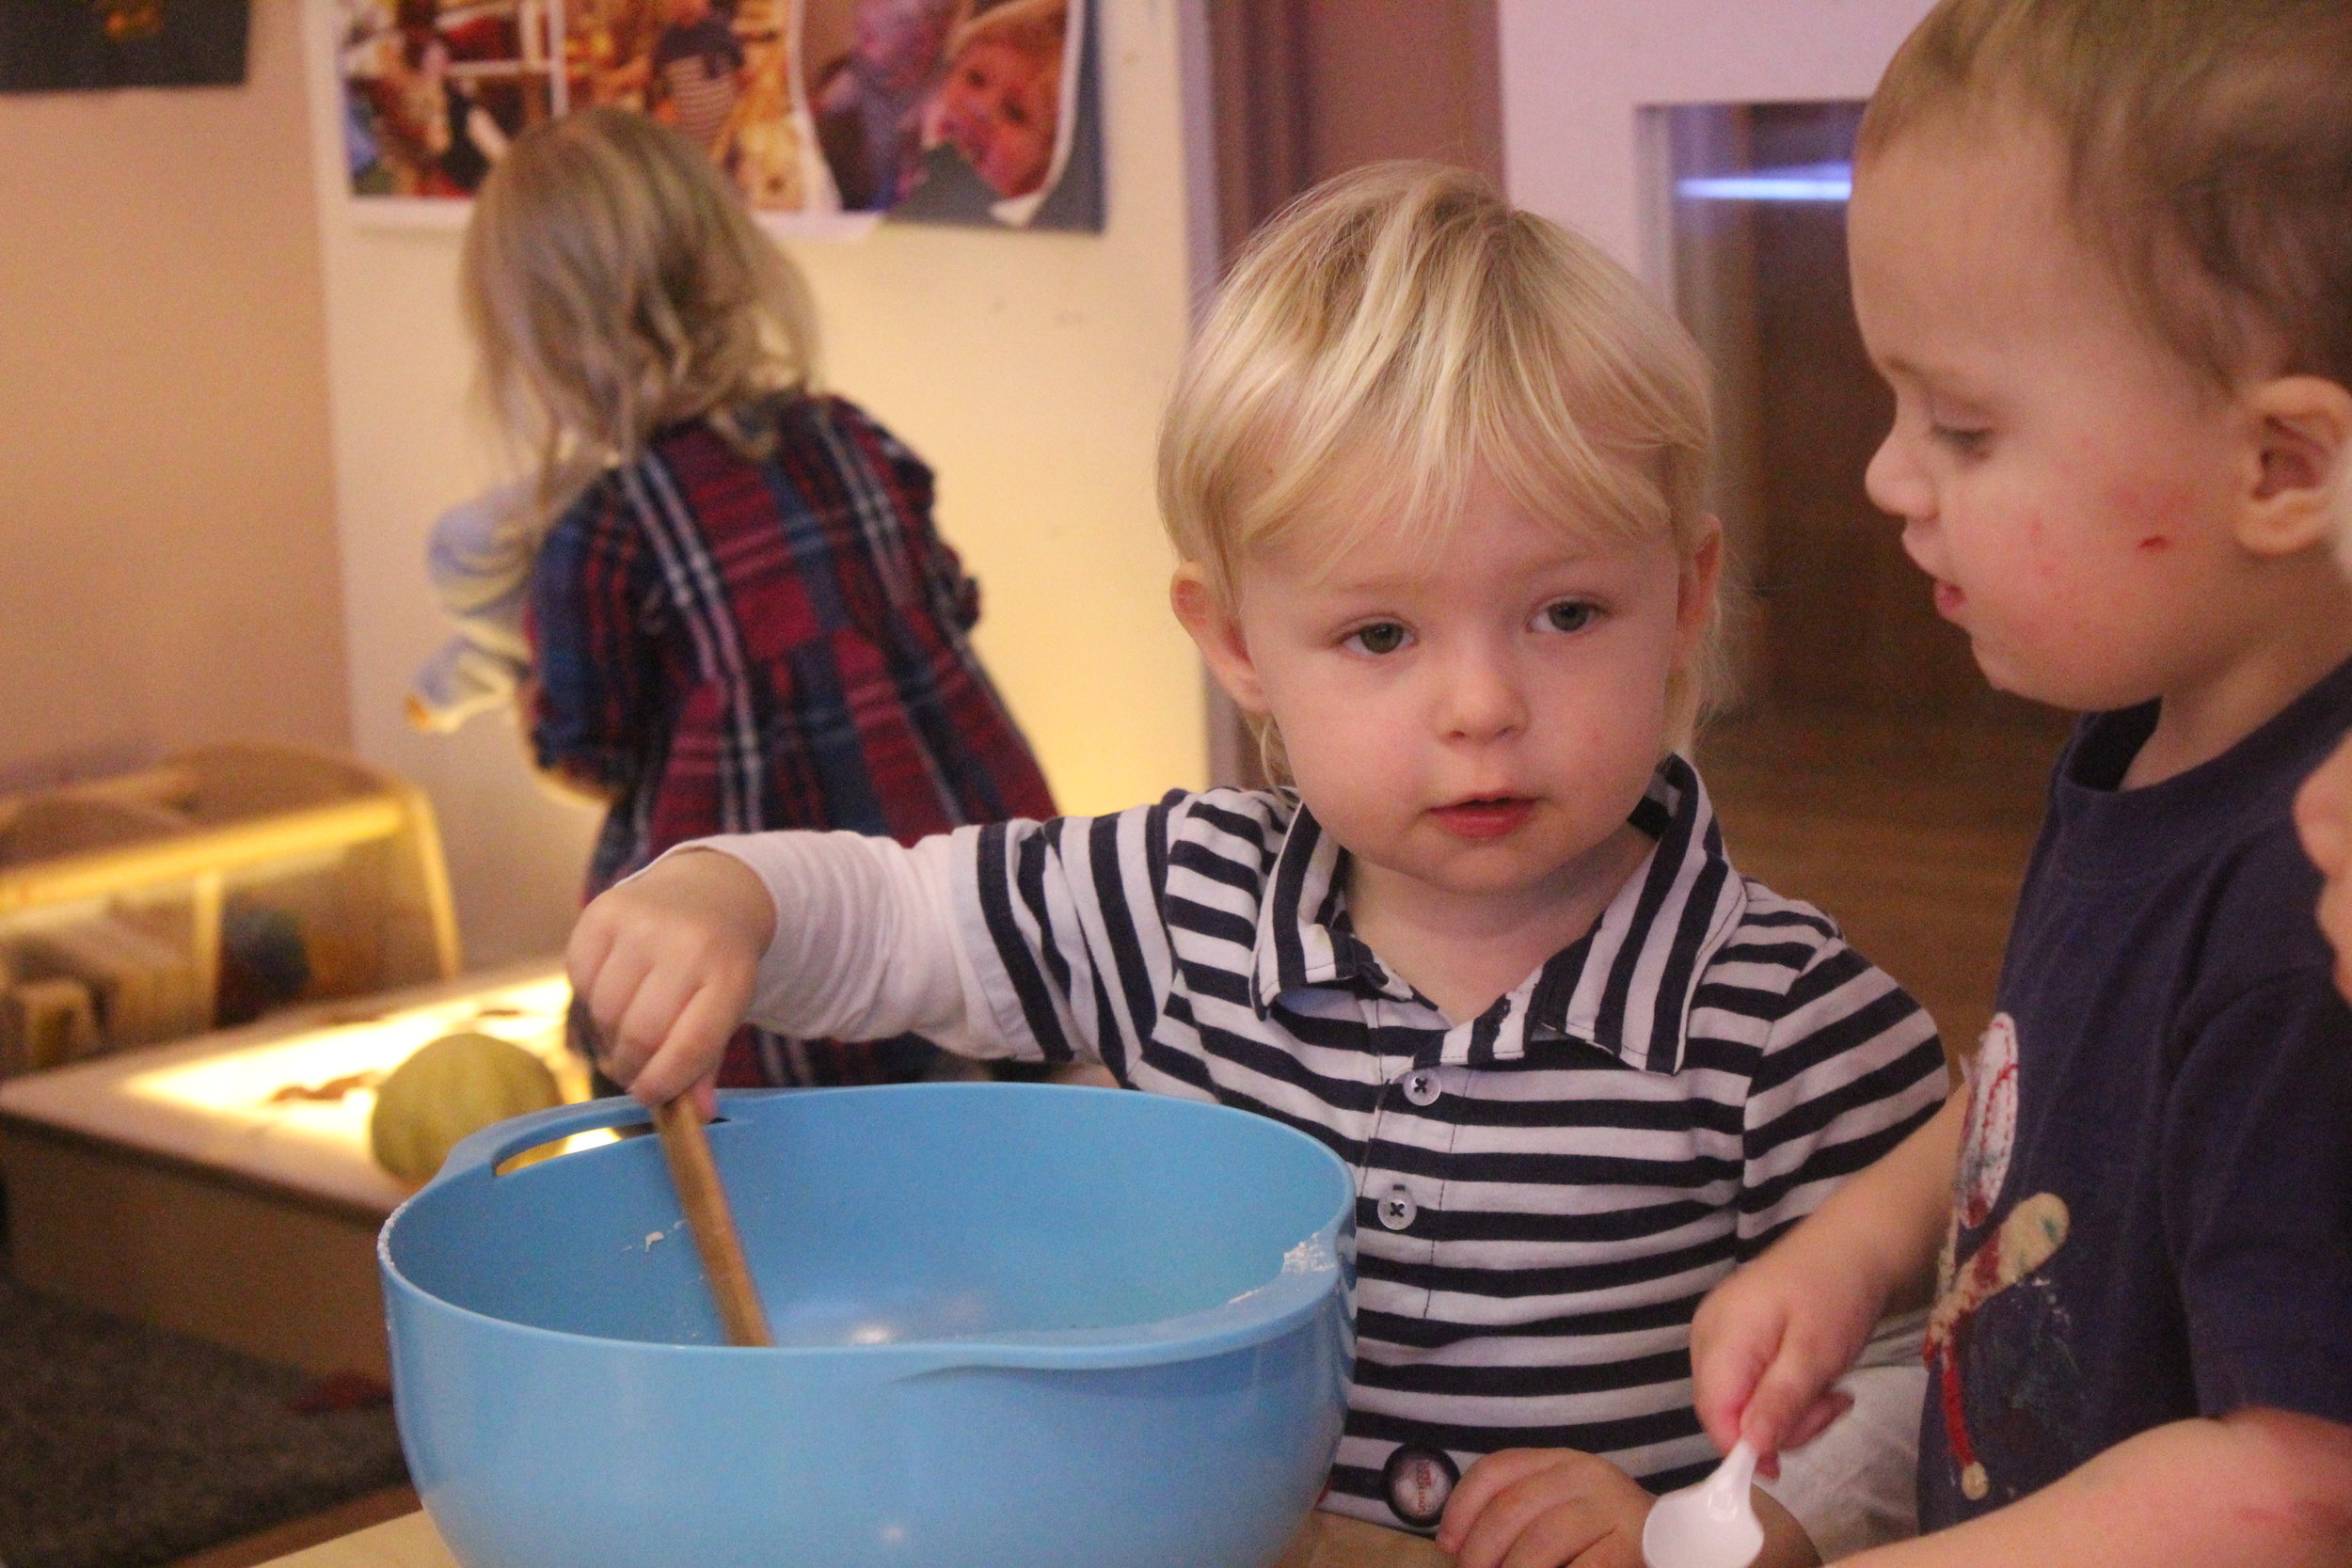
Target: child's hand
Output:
[(1769, 1341), (2323, 812), (666, 964), (1545, 1508)]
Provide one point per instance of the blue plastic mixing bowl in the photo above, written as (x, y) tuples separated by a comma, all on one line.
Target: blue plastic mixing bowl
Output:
[(1018, 1327)]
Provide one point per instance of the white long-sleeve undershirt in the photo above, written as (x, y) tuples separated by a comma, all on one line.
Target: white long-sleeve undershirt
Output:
[(865, 941)]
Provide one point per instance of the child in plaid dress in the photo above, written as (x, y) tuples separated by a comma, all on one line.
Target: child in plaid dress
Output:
[(747, 619)]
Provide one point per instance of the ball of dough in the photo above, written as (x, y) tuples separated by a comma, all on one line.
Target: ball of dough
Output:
[(455, 1086)]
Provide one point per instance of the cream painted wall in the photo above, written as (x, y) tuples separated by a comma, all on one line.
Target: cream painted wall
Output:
[(1575, 77), (1028, 369), (166, 508)]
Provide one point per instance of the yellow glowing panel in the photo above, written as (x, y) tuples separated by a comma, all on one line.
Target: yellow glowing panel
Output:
[(263, 1085), (289, 1100)]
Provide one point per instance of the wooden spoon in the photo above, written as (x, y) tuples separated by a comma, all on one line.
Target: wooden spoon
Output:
[(696, 1178)]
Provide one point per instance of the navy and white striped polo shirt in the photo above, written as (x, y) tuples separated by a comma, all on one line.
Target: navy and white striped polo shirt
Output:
[(1545, 1192)]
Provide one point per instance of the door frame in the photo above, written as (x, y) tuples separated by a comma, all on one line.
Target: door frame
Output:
[(1576, 78)]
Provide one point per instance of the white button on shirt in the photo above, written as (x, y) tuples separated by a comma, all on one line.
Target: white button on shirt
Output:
[(1422, 1086), (1398, 1211)]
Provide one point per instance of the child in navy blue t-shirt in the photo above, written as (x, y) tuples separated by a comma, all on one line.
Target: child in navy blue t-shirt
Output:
[(2100, 253)]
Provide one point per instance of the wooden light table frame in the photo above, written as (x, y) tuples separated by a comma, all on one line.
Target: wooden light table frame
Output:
[(151, 861), (178, 1185)]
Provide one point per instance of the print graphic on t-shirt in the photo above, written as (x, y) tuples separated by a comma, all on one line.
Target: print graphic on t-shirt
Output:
[(1991, 1135), (2028, 1238)]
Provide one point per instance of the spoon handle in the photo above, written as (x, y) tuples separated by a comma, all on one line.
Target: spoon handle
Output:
[(696, 1178), (1729, 1486)]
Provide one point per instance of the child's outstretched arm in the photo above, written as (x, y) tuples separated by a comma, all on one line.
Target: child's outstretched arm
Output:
[(810, 933), (2254, 1489), (1769, 1340)]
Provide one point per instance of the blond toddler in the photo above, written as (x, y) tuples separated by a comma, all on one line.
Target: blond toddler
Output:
[(1433, 472)]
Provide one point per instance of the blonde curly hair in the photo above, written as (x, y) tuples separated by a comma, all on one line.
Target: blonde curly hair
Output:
[(614, 283)]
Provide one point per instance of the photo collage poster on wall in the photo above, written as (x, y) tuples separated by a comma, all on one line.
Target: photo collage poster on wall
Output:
[(977, 112)]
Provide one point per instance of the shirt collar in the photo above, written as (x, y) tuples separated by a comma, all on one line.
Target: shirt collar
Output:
[(1304, 938), (1627, 986)]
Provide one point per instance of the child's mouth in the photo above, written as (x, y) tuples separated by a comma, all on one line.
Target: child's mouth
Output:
[(1485, 818)]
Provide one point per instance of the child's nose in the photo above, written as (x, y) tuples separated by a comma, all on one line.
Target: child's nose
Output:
[(1482, 697), (1895, 481)]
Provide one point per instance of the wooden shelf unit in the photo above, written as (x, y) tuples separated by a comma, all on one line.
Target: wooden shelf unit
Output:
[(122, 899)]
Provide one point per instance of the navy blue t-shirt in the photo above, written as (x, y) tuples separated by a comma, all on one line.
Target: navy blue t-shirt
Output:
[(2154, 1218)]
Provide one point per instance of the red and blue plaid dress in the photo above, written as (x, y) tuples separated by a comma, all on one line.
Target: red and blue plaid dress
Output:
[(729, 645)]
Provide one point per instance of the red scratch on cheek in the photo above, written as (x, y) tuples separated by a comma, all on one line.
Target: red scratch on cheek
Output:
[(2155, 541)]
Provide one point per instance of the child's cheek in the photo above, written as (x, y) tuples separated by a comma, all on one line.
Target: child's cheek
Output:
[(2153, 517)]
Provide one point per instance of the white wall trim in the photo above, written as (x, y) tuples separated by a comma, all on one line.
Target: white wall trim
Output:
[(1577, 73)]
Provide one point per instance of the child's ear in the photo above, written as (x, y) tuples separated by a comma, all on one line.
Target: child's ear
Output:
[(1216, 631), (2303, 465), (1695, 593)]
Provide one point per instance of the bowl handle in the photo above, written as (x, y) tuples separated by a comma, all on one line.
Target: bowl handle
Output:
[(495, 1145)]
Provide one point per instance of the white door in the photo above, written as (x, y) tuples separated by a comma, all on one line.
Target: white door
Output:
[(1578, 73)]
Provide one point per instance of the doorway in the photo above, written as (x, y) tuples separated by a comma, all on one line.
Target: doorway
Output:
[(1861, 760)]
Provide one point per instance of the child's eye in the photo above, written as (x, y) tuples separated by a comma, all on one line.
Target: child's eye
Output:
[(1959, 439), (1381, 637), (1567, 615)]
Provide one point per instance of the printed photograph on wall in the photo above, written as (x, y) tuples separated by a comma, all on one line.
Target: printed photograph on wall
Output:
[(83, 45), (978, 112), (951, 112)]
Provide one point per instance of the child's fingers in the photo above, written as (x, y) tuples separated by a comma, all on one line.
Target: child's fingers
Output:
[(2322, 809), (1486, 1478), (609, 997), (1553, 1507), (1537, 1534), (2335, 923), (1726, 1364), (1555, 1539), (695, 1039), (584, 954), (1816, 1418), (618, 992), (1799, 1376), (1566, 1539), (636, 1040), (1552, 1538), (588, 951)]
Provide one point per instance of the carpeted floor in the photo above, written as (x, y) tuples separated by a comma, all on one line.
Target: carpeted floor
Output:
[(124, 1447)]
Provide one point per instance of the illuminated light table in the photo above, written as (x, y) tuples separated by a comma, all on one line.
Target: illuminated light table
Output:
[(177, 1186), (1327, 1542)]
